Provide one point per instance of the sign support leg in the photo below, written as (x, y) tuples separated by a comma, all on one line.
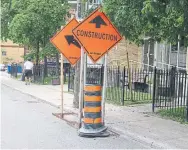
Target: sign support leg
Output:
[(85, 68), (104, 87), (62, 84), (81, 86)]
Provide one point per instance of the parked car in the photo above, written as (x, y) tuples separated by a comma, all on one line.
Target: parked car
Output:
[(2, 67)]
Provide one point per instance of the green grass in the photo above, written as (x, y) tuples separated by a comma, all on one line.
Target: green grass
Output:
[(48, 81), (114, 94), (176, 114), (18, 76)]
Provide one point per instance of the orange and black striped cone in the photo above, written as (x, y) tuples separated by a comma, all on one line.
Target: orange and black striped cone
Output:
[(92, 123)]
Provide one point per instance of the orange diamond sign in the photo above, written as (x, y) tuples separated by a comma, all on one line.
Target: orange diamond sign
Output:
[(97, 35), (66, 43)]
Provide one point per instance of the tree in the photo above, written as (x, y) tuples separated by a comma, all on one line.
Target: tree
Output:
[(172, 18), (127, 17), (6, 17), (162, 20), (35, 21), (76, 85)]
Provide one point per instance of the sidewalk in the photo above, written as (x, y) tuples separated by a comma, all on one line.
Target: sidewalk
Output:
[(133, 122)]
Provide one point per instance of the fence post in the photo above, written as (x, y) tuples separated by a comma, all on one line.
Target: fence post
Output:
[(73, 81), (118, 77), (187, 98), (102, 72), (64, 75), (69, 80), (16, 70), (123, 86), (34, 73), (12, 70), (154, 90), (12, 67), (42, 73), (187, 109)]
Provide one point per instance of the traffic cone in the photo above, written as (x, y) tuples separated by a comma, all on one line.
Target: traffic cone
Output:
[(92, 122)]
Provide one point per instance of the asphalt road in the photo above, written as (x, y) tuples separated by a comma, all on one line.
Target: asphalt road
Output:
[(28, 123)]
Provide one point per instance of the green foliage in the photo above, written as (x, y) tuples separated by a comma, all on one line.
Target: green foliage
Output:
[(49, 50), (162, 20), (127, 17), (37, 22), (33, 22), (31, 55), (166, 19), (5, 19)]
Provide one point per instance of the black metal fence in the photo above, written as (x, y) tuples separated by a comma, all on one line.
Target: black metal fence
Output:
[(71, 74), (94, 74), (118, 89), (49, 75), (171, 91), (129, 85), (38, 74)]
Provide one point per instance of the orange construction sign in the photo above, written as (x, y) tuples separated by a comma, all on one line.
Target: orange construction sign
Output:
[(97, 34), (65, 42)]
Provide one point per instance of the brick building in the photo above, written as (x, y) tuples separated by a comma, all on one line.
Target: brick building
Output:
[(118, 55), (11, 52)]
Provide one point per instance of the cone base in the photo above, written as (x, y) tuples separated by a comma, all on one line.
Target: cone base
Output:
[(100, 132)]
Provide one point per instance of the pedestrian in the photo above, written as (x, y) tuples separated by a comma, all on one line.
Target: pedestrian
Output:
[(28, 71)]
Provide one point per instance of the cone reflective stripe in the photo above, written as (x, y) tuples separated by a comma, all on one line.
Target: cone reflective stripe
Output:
[(93, 88), (92, 98), (92, 110), (92, 121)]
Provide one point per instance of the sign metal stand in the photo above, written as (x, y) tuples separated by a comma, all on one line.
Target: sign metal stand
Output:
[(81, 86), (69, 47), (104, 88), (96, 35)]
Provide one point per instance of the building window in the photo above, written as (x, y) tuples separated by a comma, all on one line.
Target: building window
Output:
[(4, 53)]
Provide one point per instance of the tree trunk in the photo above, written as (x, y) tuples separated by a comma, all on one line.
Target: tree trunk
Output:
[(37, 54), (76, 85), (45, 67), (57, 64)]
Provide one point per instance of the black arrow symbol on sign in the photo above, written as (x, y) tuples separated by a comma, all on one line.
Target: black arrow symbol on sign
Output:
[(71, 40), (98, 21)]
